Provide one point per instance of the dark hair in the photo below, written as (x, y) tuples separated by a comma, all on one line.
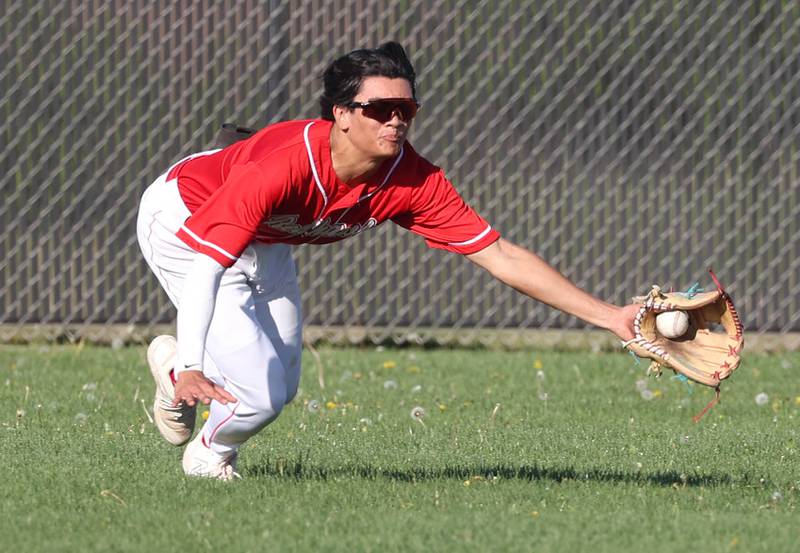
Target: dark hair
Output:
[(342, 79)]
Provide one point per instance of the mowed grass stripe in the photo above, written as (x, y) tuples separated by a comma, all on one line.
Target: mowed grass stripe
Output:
[(515, 451)]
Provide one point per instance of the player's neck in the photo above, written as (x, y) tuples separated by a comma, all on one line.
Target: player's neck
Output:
[(349, 163)]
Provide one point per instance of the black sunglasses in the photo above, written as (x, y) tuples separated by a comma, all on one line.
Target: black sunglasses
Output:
[(383, 109)]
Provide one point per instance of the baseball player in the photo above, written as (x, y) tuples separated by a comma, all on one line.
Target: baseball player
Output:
[(217, 228)]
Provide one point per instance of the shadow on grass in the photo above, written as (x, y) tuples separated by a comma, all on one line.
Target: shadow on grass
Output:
[(299, 470)]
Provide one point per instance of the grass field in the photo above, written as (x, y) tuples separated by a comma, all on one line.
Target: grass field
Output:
[(515, 452)]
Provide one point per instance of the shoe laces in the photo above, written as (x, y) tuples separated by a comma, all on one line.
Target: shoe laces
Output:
[(227, 473), (223, 468), (166, 405)]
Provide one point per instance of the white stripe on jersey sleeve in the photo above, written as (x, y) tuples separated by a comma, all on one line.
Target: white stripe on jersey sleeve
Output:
[(208, 244), (472, 240)]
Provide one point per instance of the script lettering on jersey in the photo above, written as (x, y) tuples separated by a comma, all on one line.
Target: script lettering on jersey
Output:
[(288, 224)]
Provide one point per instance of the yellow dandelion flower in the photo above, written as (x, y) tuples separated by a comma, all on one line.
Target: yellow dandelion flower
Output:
[(797, 400), (331, 405), (205, 415), (389, 364), (537, 364), (442, 407), (413, 369), (657, 393), (535, 514)]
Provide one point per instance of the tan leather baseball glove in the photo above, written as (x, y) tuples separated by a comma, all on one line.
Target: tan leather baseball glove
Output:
[(710, 348)]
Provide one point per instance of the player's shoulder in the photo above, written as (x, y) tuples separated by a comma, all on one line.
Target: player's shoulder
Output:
[(283, 144), (417, 171), (292, 134)]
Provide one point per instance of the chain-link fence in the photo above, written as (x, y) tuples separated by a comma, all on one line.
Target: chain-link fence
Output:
[(628, 142)]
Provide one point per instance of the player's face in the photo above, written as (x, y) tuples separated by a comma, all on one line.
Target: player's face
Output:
[(379, 129)]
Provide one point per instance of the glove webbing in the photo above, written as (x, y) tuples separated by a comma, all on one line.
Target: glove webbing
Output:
[(734, 314)]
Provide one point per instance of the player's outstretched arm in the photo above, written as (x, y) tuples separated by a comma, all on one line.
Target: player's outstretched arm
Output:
[(528, 273)]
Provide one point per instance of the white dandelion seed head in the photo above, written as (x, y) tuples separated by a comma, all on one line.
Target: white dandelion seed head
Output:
[(390, 385), (80, 418), (418, 413), (685, 439), (777, 496), (544, 396), (540, 374), (641, 384), (417, 388), (89, 386), (313, 406), (647, 395), (762, 399)]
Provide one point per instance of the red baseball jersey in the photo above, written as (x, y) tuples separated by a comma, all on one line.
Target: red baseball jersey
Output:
[(279, 186)]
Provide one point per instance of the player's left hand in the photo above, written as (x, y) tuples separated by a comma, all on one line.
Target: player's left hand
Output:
[(193, 387)]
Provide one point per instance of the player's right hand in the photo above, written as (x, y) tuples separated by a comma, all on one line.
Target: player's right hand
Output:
[(622, 322), (192, 387)]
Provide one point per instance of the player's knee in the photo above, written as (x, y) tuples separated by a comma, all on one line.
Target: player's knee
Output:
[(292, 384), (256, 415), (266, 405), (277, 402), (293, 375), (291, 393)]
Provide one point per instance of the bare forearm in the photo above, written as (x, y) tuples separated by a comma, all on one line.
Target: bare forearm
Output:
[(530, 274)]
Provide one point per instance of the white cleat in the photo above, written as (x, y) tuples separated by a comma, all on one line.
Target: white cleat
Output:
[(176, 424), (199, 460)]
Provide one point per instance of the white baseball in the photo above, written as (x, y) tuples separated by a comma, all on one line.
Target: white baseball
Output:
[(672, 324)]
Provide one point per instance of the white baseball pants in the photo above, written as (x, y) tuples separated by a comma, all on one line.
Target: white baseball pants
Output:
[(255, 340)]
